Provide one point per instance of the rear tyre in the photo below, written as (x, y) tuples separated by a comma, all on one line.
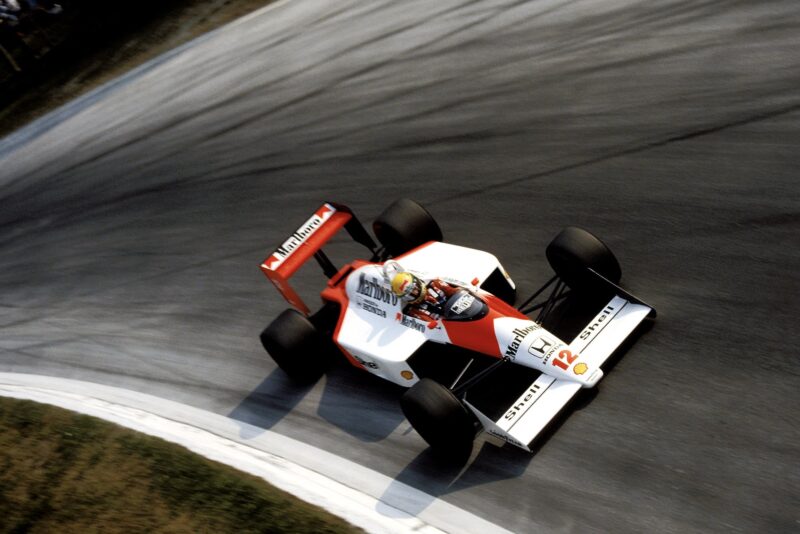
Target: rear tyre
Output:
[(296, 346), (440, 418), (405, 225), (574, 250)]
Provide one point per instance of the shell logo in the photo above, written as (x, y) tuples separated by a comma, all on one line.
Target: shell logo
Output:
[(580, 368)]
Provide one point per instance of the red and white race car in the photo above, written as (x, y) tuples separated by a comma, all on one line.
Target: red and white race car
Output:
[(471, 359)]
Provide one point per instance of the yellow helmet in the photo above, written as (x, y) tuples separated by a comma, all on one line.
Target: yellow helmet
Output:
[(407, 286)]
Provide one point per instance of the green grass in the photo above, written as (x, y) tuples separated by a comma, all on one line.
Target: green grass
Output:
[(66, 472)]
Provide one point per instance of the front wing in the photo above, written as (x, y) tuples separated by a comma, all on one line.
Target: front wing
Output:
[(546, 396)]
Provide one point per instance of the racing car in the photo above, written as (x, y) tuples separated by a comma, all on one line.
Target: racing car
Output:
[(475, 363)]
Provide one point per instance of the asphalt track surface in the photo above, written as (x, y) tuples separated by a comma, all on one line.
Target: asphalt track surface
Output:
[(133, 222)]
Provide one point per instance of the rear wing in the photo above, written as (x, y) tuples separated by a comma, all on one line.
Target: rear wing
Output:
[(306, 242)]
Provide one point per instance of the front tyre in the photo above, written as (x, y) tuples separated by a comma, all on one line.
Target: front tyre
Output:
[(405, 225), (296, 346), (574, 251), (440, 418)]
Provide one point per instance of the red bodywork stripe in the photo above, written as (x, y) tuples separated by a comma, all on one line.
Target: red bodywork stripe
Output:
[(335, 292), (480, 335)]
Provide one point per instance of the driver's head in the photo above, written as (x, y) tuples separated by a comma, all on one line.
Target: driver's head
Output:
[(408, 287)]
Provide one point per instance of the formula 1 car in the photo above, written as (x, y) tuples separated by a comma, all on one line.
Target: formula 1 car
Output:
[(479, 363)]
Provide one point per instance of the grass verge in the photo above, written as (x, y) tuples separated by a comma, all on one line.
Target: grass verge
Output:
[(65, 472)]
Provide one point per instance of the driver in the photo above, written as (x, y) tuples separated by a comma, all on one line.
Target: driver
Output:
[(423, 301)]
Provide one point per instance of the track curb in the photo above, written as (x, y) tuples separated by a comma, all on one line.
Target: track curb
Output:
[(346, 489)]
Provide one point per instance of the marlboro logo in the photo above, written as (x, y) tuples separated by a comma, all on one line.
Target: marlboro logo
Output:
[(299, 237)]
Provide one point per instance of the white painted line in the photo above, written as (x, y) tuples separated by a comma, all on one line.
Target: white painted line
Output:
[(344, 488)]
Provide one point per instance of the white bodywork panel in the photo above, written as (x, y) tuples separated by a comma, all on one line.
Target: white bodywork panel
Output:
[(374, 331), (460, 264), (371, 333), (526, 343)]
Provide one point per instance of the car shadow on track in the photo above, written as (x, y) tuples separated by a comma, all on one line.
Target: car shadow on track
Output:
[(266, 405), (488, 463), (363, 405), (434, 478), (358, 403)]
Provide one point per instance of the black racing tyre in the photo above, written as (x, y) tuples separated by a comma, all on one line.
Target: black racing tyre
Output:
[(574, 250), (405, 225), (440, 418), (296, 346)]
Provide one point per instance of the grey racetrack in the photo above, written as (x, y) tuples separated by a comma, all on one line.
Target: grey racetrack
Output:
[(133, 222)]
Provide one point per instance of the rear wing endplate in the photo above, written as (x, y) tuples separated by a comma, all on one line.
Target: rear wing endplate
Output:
[(306, 242)]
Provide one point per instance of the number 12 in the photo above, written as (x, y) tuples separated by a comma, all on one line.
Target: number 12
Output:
[(564, 355)]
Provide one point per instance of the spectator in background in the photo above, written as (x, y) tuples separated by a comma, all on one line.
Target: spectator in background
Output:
[(22, 40), (15, 6), (7, 17), (50, 8), (9, 39), (8, 12)]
